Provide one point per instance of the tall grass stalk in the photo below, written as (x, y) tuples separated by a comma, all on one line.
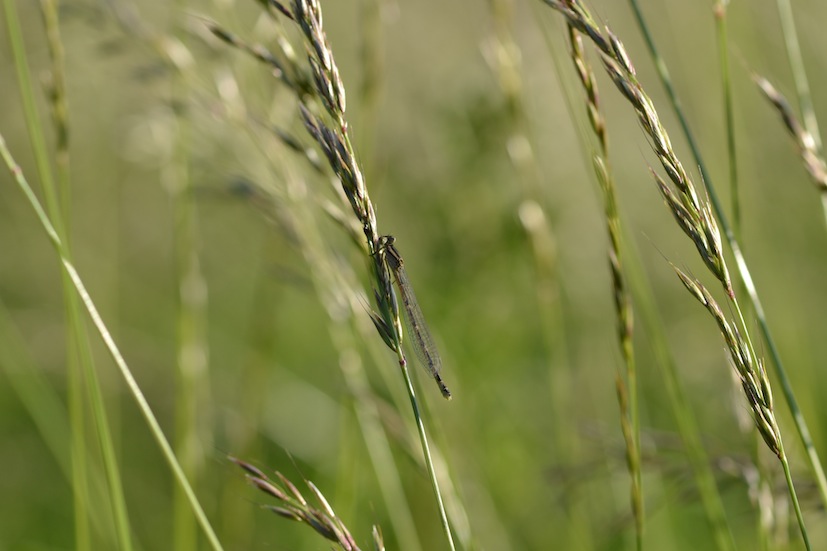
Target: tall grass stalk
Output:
[(762, 484), (626, 385), (69, 269), (687, 426), (654, 327), (80, 364), (77, 414), (740, 262), (695, 218)]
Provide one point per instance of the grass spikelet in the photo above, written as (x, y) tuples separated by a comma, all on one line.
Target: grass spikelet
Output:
[(804, 140), (750, 369), (294, 506)]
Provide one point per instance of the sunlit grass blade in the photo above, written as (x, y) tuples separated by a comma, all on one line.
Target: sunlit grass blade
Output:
[(86, 300)]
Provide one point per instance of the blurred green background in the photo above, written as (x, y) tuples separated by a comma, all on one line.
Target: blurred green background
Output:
[(525, 321)]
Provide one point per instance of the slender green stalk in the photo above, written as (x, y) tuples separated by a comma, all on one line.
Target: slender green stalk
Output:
[(627, 388), (423, 440), (720, 14), (741, 264), (192, 354), (79, 458), (79, 355), (687, 425), (82, 293)]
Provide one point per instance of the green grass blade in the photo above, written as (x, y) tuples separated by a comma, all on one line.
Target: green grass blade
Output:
[(114, 352), (79, 358)]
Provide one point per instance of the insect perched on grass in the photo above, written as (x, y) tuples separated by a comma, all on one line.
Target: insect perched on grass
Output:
[(418, 332)]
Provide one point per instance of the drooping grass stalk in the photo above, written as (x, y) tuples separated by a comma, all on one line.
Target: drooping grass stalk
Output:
[(754, 380), (741, 264), (625, 383), (687, 426), (69, 269), (336, 287), (696, 454), (694, 217), (329, 130), (805, 141), (80, 364), (294, 506), (802, 85)]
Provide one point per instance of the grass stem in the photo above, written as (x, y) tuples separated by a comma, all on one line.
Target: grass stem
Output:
[(86, 300)]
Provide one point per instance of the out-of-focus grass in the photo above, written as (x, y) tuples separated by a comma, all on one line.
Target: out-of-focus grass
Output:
[(531, 435)]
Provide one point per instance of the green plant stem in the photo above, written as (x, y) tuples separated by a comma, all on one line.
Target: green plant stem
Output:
[(82, 293), (687, 426), (80, 364), (793, 497), (423, 440), (743, 269), (720, 14)]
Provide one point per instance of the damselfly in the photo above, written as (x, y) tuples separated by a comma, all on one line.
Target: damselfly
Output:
[(418, 332)]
